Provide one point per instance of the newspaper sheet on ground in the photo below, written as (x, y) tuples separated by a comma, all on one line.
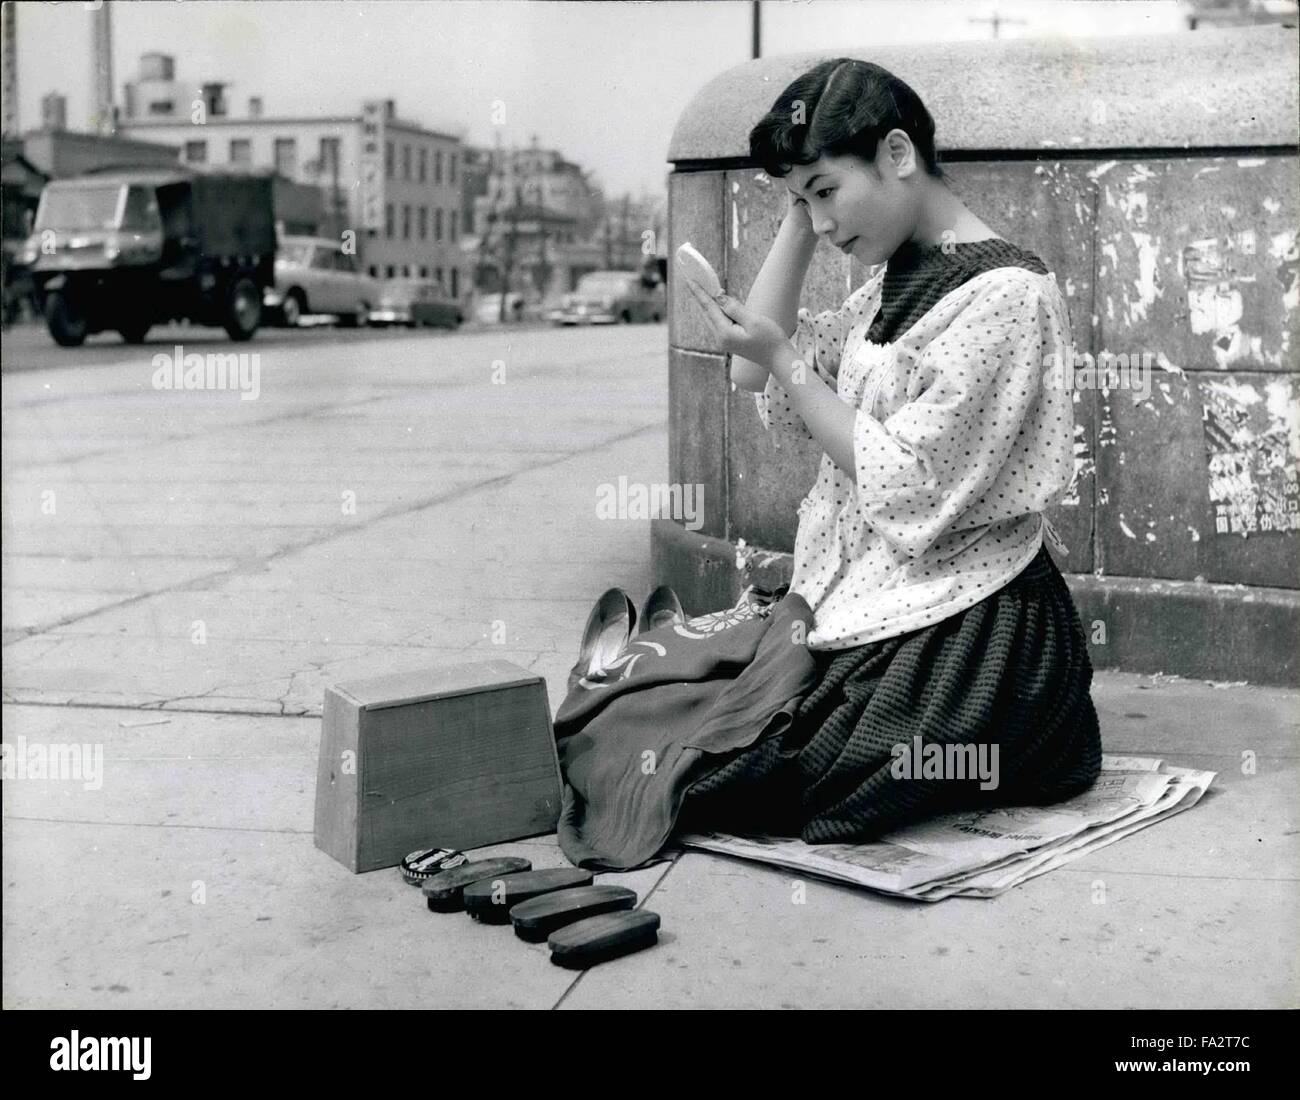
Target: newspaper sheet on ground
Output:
[(982, 853)]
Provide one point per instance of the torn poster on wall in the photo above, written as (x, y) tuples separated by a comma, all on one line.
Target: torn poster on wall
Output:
[(1253, 447), (1084, 467)]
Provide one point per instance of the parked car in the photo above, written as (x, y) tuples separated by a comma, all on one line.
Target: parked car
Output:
[(488, 309), (315, 275), (413, 302), (612, 297), (126, 249), (1237, 13)]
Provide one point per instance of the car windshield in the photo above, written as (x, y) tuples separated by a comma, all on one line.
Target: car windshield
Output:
[(79, 207), (602, 284), (296, 252), (141, 213)]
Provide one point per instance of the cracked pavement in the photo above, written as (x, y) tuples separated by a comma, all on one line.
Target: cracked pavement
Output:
[(380, 507)]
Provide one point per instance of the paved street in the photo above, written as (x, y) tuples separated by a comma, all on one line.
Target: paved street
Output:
[(184, 571)]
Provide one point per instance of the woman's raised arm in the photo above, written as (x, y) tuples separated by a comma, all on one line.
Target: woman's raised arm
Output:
[(777, 287)]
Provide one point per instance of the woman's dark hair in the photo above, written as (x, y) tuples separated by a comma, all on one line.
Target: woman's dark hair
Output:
[(842, 106)]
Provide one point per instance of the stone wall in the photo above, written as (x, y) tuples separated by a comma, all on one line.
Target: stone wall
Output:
[(1158, 178)]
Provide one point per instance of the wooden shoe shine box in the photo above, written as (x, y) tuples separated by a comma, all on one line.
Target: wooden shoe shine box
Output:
[(455, 757)]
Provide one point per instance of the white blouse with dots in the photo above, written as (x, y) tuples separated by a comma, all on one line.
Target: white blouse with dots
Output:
[(959, 443)]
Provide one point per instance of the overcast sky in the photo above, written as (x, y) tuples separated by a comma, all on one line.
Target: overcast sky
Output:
[(602, 82)]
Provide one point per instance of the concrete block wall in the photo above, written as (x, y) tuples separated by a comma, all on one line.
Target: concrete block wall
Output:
[(1158, 178)]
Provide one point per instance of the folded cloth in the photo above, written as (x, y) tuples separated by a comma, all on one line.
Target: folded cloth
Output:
[(676, 706)]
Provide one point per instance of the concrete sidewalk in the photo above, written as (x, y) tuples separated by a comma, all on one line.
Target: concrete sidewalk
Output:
[(189, 878)]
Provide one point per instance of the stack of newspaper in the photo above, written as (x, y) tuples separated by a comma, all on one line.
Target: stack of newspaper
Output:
[(980, 854)]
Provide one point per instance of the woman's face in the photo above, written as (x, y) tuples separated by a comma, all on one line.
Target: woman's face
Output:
[(850, 205)]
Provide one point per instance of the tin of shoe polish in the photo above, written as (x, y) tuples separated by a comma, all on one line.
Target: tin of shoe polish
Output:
[(419, 867)]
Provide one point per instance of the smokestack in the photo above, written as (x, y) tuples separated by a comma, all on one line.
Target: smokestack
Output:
[(104, 121), (9, 62)]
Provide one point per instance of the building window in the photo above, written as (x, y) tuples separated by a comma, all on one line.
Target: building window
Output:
[(388, 160), (454, 214), (286, 157), (424, 164), (329, 156), (406, 162), (162, 107), (440, 276), (406, 271), (437, 166), (388, 223), (196, 152), (374, 271), (241, 152), (423, 222), (437, 224), (455, 282), (451, 168), (406, 223), (424, 271), (390, 271)]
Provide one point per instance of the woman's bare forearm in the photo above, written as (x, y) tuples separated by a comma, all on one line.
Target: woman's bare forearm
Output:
[(776, 290)]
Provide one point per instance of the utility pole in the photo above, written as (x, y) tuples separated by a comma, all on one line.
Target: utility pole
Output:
[(622, 232), (996, 21), (102, 57), (508, 267), (756, 28), (336, 197), (490, 219), (9, 52)]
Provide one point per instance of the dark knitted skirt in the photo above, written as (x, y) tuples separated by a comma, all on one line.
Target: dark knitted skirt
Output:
[(1012, 671)]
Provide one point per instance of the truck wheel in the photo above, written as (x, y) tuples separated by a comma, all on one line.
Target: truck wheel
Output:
[(135, 331), (243, 310), (66, 326)]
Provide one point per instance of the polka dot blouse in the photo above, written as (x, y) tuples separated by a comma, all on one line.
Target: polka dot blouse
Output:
[(959, 443)]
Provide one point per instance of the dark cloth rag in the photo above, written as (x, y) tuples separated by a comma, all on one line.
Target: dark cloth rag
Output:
[(677, 704)]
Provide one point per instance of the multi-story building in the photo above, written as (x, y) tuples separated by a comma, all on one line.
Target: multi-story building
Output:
[(391, 181), (537, 177), (539, 224)]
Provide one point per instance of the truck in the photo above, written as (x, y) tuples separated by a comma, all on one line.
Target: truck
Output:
[(123, 250)]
